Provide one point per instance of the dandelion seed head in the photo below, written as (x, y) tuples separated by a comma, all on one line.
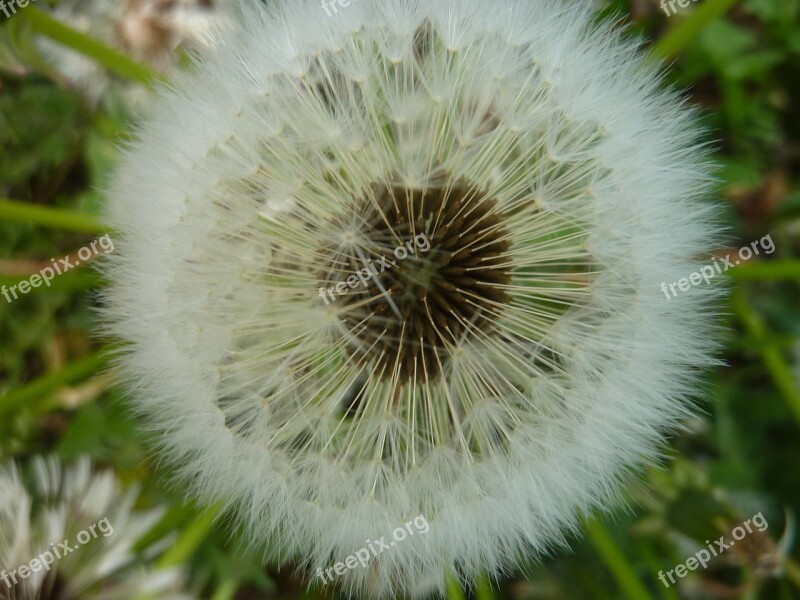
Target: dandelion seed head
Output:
[(152, 31), (90, 514), (503, 380)]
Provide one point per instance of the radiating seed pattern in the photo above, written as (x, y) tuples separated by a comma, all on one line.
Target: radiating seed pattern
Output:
[(408, 316)]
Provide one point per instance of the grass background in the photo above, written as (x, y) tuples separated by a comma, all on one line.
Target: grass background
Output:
[(739, 61)]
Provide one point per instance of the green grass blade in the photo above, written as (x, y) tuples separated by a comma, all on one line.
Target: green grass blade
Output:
[(45, 216), (109, 57), (616, 562), (679, 37)]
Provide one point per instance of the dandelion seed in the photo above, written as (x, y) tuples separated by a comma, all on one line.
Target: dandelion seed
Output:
[(152, 31), (70, 534), (500, 383)]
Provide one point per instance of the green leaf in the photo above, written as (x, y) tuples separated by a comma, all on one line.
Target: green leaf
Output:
[(109, 57), (754, 65), (22, 212), (683, 34)]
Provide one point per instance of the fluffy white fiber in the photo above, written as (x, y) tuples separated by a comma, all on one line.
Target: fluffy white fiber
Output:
[(87, 526), (255, 175), (152, 31)]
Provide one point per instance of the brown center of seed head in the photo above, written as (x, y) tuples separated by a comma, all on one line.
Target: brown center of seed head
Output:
[(438, 274)]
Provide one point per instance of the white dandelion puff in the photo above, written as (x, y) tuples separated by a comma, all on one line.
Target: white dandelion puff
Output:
[(501, 383), (70, 533), (152, 31)]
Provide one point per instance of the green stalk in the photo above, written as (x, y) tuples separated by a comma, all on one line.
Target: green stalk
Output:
[(792, 572), (193, 529), (23, 212), (112, 59), (616, 562), (654, 565), (679, 37), (483, 589), (762, 271), (454, 591), (50, 383), (76, 280), (773, 360), (226, 590), (189, 541)]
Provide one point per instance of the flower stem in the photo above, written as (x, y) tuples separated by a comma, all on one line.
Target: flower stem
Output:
[(679, 37), (23, 212), (792, 571), (483, 589), (112, 59), (784, 269), (454, 591), (189, 541), (226, 590), (51, 382), (777, 367), (76, 280), (616, 562)]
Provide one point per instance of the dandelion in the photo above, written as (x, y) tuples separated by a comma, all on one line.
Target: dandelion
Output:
[(152, 31), (501, 383), (70, 534)]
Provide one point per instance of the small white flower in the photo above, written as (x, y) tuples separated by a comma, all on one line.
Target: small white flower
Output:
[(152, 31), (55, 510), (501, 383)]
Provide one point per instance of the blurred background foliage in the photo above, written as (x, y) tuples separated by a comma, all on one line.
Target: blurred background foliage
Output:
[(738, 61)]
